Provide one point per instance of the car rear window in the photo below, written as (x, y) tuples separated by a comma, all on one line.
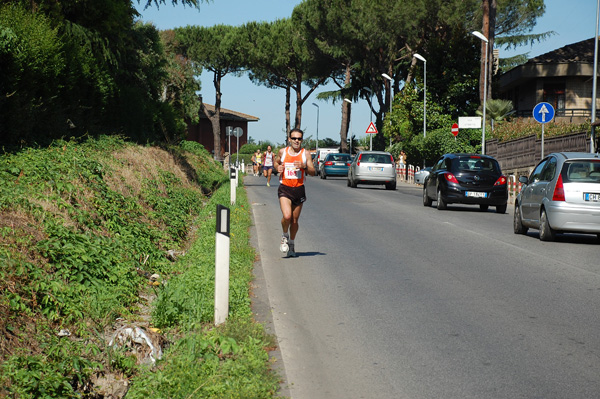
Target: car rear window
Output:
[(376, 158), (475, 164), (339, 157), (581, 171)]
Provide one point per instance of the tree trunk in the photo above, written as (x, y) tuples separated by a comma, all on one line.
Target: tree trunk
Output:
[(346, 113), (287, 113), (488, 29), (298, 118), (215, 119)]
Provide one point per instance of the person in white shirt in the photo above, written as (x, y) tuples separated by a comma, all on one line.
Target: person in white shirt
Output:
[(268, 158)]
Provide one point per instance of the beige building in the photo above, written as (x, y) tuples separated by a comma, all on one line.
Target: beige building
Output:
[(561, 77)]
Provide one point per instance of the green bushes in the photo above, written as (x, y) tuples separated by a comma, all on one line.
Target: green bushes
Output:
[(82, 227)]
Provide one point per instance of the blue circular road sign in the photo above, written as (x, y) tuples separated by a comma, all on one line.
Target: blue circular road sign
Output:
[(543, 112)]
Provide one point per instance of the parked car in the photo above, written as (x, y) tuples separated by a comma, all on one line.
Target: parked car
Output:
[(335, 165), (422, 174), (561, 195), (372, 167), (466, 179)]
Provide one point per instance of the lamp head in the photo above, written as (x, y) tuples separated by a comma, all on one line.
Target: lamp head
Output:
[(385, 75), (419, 57), (479, 35)]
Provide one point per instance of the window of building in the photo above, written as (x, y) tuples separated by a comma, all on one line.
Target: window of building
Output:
[(554, 94)]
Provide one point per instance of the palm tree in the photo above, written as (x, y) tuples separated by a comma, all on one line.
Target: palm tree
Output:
[(497, 110)]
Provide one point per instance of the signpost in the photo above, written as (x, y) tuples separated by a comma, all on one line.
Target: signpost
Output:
[(237, 132), (370, 131), (469, 122), (229, 132), (543, 113), (455, 130)]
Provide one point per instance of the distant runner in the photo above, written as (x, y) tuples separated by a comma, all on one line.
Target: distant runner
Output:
[(258, 162), (268, 158), (292, 163)]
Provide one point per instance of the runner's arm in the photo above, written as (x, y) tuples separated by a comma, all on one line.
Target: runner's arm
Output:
[(310, 168)]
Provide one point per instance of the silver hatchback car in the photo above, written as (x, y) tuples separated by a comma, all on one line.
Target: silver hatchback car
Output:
[(373, 167), (561, 195)]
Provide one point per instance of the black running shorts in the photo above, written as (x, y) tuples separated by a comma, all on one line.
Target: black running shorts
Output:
[(296, 194)]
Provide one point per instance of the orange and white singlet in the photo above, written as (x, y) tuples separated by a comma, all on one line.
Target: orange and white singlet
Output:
[(292, 176)]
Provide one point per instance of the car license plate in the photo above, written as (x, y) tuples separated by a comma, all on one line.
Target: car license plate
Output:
[(339, 163), (376, 169), (476, 194), (591, 197)]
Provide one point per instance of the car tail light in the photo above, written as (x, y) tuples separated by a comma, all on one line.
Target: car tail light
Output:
[(450, 177), (501, 181), (328, 163), (348, 163), (559, 190), (358, 161)]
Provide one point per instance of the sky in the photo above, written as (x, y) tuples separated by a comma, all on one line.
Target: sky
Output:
[(571, 20)]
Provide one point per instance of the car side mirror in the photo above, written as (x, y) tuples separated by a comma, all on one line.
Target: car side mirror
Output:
[(523, 179)]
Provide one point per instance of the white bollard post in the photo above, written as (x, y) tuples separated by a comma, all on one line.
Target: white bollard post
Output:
[(237, 174), (233, 184), (243, 167), (222, 265)]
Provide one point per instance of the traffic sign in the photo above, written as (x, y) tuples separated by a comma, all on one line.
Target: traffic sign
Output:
[(238, 132), (371, 129), (543, 112), (455, 129)]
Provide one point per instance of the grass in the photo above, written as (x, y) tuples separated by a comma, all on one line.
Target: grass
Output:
[(83, 224)]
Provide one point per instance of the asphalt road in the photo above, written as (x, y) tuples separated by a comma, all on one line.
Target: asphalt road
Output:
[(390, 299)]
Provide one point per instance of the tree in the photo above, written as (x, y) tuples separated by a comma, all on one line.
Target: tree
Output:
[(218, 49), (507, 23), (280, 56), (331, 25), (497, 110)]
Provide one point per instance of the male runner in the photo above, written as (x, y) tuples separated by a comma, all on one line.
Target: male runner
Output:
[(268, 158), (292, 163)]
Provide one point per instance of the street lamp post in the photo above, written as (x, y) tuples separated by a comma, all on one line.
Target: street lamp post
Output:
[(420, 57), (387, 77), (317, 146), (485, 73)]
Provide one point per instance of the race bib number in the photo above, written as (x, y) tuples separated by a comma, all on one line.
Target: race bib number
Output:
[(291, 172)]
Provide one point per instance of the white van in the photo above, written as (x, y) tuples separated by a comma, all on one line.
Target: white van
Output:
[(321, 154)]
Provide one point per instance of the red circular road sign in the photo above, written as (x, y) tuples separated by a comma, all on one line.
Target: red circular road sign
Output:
[(455, 129)]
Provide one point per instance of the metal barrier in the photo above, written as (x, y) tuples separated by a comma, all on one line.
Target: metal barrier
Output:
[(406, 173), (411, 174)]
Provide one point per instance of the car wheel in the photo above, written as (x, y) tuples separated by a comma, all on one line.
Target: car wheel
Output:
[(426, 200), (518, 221), (353, 184), (546, 232), (441, 205), (501, 208), (483, 207), (390, 186), (323, 176), (348, 182)]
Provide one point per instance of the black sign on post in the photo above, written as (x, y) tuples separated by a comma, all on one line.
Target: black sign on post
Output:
[(232, 173), (223, 220)]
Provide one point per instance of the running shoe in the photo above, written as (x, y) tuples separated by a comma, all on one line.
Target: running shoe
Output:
[(291, 253), (284, 244), (268, 185)]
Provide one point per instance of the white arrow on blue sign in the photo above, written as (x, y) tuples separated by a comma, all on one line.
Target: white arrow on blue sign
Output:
[(543, 112)]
